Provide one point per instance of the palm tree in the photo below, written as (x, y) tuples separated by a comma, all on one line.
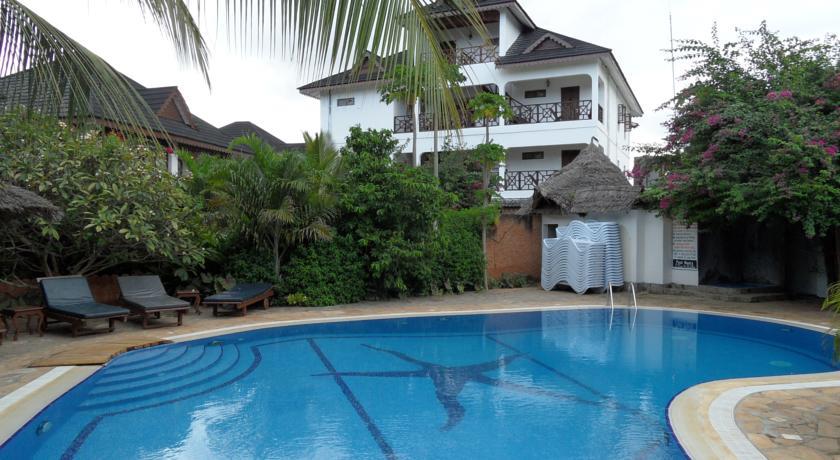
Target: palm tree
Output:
[(400, 86), (280, 201), (487, 107), (64, 77), (454, 77)]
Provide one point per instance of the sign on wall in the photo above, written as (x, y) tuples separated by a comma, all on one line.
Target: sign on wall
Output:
[(684, 247)]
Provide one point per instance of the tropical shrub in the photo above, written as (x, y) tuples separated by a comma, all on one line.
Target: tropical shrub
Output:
[(120, 205), (456, 249), (324, 273), (460, 173), (389, 211)]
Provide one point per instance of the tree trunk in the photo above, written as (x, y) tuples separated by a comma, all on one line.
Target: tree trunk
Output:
[(276, 247), (485, 180)]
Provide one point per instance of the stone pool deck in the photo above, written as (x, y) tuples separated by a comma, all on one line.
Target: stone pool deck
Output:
[(58, 348)]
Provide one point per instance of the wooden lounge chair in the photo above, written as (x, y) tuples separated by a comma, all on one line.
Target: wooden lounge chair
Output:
[(67, 299), (146, 297), (240, 297)]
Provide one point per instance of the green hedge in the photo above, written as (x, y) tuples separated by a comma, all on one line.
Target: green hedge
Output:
[(457, 252), (326, 273)]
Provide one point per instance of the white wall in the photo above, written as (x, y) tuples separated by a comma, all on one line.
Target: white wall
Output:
[(368, 111), (509, 29)]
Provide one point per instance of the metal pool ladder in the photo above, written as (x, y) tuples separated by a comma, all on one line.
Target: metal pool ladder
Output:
[(612, 304)]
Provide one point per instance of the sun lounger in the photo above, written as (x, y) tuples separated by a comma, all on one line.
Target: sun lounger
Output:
[(67, 299), (145, 296), (240, 297)]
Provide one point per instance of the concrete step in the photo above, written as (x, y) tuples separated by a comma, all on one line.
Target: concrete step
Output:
[(725, 296)]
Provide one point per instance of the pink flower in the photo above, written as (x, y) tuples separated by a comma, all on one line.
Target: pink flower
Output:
[(674, 180), (820, 101), (664, 203), (804, 171), (713, 120), (742, 133), (772, 96), (831, 150), (169, 150), (818, 142), (709, 154), (786, 94), (687, 135)]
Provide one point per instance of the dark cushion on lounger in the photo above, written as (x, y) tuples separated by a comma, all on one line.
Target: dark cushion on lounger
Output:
[(147, 293), (90, 310), (239, 293), (71, 295)]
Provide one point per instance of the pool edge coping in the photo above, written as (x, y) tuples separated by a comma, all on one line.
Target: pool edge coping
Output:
[(38, 394)]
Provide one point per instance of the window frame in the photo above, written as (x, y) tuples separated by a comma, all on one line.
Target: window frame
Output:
[(343, 101)]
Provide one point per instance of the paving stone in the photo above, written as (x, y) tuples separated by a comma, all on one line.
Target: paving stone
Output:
[(825, 445), (828, 429), (761, 441)]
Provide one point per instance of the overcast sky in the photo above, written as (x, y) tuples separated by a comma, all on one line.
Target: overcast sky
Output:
[(263, 89)]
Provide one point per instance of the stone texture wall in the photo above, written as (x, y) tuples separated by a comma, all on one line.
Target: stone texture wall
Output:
[(514, 246)]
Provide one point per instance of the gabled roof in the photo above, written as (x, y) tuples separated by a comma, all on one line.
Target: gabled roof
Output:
[(529, 47), (245, 128), (369, 72), (168, 109)]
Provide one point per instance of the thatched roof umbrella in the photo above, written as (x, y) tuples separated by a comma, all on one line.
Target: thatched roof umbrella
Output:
[(591, 183), (16, 202)]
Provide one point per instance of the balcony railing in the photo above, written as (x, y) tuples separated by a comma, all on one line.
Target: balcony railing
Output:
[(526, 180), (549, 112), (426, 122), (472, 55), (402, 124)]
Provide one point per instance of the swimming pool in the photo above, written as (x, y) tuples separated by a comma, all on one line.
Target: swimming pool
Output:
[(547, 384)]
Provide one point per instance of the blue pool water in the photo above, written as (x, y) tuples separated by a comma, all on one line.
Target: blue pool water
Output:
[(553, 384)]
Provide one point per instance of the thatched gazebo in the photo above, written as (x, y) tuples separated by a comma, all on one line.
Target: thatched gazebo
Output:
[(16, 202), (591, 183)]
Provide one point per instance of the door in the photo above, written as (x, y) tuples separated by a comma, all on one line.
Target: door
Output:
[(570, 103)]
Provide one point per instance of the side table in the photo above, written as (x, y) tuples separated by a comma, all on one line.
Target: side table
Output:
[(28, 312), (190, 294)]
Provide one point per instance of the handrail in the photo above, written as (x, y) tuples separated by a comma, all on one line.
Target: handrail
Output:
[(632, 292)]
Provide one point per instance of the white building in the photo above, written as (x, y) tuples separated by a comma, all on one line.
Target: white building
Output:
[(563, 92)]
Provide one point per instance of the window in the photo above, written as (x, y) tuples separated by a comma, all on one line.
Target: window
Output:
[(533, 155), (534, 93), (344, 102), (551, 231), (568, 156)]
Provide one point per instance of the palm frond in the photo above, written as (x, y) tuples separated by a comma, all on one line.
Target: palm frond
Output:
[(46, 70)]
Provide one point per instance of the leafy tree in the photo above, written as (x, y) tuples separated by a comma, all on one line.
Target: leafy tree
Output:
[(120, 205), (487, 107), (460, 173), (754, 134), (389, 212)]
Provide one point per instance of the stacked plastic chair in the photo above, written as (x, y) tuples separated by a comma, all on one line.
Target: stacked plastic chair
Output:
[(583, 256)]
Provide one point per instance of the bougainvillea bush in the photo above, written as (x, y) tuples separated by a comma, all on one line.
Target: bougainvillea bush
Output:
[(755, 133)]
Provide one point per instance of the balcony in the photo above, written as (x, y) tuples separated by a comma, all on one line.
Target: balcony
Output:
[(526, 180), (472, 55), (549, 112), (426, 122)]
